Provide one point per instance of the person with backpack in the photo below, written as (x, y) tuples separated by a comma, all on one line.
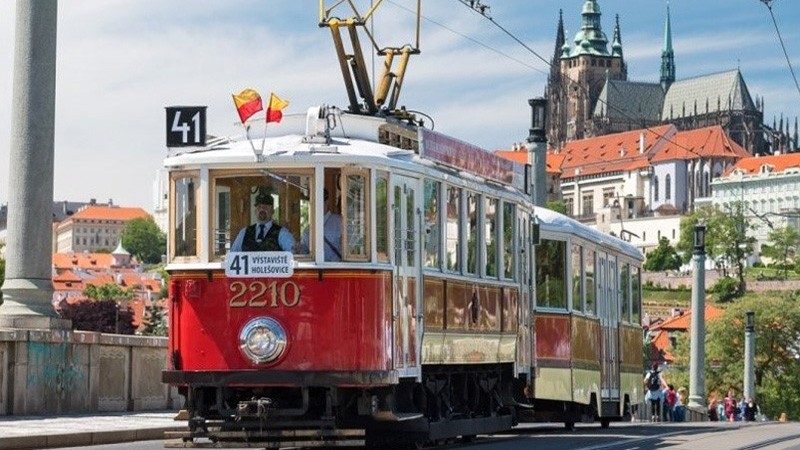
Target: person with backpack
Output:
[(654, 383)]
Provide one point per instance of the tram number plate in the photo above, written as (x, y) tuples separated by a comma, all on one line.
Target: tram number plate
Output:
[(259, 264)]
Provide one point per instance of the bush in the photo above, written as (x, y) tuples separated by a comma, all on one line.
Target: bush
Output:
[(99, 315), (726, 288), (758, 264)]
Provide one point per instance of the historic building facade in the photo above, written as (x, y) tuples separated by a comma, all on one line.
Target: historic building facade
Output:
[(589, 94)]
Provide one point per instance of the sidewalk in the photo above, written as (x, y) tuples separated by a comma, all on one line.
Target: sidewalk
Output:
[(34, 432)]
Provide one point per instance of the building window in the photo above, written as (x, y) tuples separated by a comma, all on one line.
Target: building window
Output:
[(655, 189), (568, 205), (588, 204), (668, 188)]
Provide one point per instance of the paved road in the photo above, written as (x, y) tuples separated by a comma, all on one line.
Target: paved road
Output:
[(692, 436)]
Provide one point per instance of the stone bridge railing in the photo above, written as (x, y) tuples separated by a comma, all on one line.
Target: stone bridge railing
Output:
[(57, 371)]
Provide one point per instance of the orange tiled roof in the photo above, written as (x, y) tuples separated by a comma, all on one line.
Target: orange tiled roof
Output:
[(663, 344), (613, 152), (109, 213), (702, 142), (89, 261), (67, 276), (683, 321), (779, 163), (553, 161)]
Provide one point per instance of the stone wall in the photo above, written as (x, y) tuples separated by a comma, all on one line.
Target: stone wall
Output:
[(675, 280), (56, 371)]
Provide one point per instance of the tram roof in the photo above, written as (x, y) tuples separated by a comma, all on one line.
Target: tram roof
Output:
[(308, 139), (553, 221)]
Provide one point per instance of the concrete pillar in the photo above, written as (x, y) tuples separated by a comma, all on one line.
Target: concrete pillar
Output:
[(697, 355), (28, 287), (537, 156), (749, 356)]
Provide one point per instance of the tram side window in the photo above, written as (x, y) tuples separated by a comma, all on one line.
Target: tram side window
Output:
[(452, 232), (382, 216), (184, 220), (432, 223), (509, 218), (636, 296), (577, 280), (589, 277), (624, 292), (239, 205), (472, 232), (356, 199), (551, 274), (490, 235)]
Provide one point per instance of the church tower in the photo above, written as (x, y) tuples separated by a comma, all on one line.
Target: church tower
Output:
[(574, 87), (667, 57)]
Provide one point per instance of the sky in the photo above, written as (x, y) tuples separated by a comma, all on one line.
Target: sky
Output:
[(120, 62)]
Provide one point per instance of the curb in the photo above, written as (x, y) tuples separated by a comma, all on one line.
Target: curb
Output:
[(84, 438)]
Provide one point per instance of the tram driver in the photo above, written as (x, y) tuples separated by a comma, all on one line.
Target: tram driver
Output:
[(332, 224), (264, 235)]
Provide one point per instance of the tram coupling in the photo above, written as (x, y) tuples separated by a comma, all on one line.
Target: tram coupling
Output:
[(255, 408)]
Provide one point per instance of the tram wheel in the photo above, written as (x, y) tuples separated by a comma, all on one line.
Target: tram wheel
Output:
[(569, 426), (604, 423)]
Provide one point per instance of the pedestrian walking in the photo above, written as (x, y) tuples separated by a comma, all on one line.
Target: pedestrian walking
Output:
[(654, 383)]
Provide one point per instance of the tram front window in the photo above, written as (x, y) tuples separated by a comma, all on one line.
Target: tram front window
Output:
[(261, 211)]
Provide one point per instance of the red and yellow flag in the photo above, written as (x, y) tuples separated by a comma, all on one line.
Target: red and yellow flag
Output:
[(248, 102), (276, 104)]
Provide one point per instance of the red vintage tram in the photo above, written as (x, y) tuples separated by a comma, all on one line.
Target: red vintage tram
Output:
[(451, 307), (442, 319)]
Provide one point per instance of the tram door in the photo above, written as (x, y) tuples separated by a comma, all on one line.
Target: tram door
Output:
[(609, 321), (407, 313)]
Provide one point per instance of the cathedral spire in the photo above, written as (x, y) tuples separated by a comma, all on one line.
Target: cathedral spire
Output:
[(667, 56), (616, 46), (560, 39)]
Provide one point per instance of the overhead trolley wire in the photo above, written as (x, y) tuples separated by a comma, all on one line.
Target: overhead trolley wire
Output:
[(768, 4)]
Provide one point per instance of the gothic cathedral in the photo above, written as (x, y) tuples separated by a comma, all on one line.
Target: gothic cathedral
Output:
[(589, 93)]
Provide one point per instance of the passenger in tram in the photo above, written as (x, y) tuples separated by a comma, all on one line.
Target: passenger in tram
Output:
[(332, 230), (264, 235)]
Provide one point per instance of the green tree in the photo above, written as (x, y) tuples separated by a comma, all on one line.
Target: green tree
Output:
[(557, 206), (664, 257), (143, 239), (108, 291), (727, 242), (782, 247), (777, 346), (155, 321)]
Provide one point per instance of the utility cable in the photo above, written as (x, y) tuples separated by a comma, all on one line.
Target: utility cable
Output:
[(768, 4)]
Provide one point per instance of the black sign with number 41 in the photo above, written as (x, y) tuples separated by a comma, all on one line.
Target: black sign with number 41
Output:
[(186, 126)]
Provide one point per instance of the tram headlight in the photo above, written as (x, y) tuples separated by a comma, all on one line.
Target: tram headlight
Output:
[(262, 340)]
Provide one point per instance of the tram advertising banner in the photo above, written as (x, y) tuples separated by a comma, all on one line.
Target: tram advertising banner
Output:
[(463, 155), (259, 264)]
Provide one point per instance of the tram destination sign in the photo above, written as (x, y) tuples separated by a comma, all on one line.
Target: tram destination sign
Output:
[(462, 155), (186, 126), (259, 264)]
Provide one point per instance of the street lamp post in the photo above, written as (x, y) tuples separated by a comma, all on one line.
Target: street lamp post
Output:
[(537, 149), (698, 327), (749, 355)]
